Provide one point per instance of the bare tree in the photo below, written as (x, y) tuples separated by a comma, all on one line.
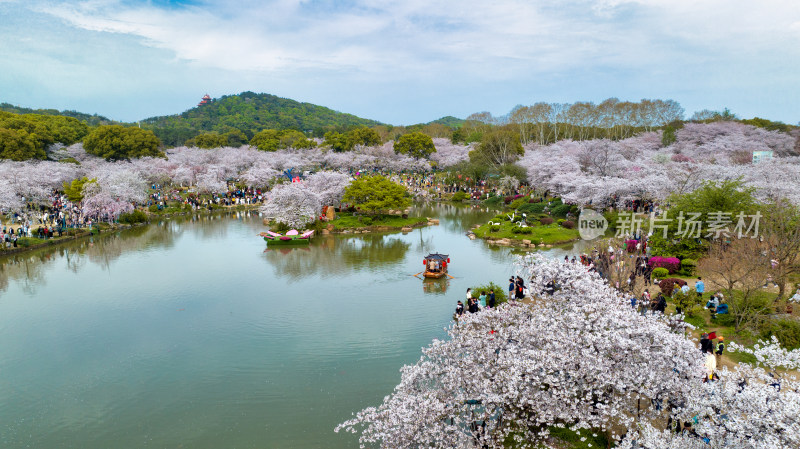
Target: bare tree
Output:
[(522, 118), (781, 234), (740, 268), (540, 114)]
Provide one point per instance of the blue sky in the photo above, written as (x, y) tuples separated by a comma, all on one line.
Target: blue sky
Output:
[(400, 61)]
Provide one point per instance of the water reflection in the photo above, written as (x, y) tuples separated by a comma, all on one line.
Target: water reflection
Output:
[(455, 218), (28, 268), (435, 286), (331, 255), (326, 256)]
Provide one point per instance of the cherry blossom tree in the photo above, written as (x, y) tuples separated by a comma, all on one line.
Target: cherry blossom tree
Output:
[(579, 358), (103, 205), (328, 186), (448, 154), (9, 201), (259, 175), (292, 205), (749, 407), (637, 167)]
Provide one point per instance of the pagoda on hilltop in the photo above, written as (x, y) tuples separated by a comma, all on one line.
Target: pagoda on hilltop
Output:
[(206, 100)]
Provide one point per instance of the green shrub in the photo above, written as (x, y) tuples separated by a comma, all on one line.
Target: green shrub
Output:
[(25, 242), (493, 201), (519, 202), (689, 303), (660, 273), (153, 208), (688, 266), (612, 218), (546, 220), (279, 226), (500, 294), (134, 217), (366, 221), (460, 196), (494, 228), (519, 230), (787, 332), (560, 220), (532, 208), (561, 210)]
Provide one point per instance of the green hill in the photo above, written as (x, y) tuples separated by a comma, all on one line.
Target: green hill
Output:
[(449, 121), (250, 113), (89, 119)]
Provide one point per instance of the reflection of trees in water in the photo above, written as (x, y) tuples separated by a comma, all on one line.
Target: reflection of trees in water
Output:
[(329, 255), (28, 268), (422, 244), (455, 217), (215, 226), (210, 227)]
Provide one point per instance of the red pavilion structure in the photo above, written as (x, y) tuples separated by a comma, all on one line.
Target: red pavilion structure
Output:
[(206, 100)]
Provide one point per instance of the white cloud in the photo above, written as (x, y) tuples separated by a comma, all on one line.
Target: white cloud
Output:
[(491, 40), (550, 48)]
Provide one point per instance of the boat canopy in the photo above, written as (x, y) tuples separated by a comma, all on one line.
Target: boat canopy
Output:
[(437, 256)]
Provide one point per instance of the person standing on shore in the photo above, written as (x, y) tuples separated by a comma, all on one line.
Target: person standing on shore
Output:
[(491, 299), (520, 289), (512, 286)]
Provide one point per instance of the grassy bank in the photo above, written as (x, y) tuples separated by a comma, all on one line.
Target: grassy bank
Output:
[(551, 234), (348, 220)]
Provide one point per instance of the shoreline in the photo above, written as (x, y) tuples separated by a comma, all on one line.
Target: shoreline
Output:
[(113, 227), (381, 228)]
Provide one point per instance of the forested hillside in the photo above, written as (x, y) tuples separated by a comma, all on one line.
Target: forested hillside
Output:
[(250, 113), (89, 119)]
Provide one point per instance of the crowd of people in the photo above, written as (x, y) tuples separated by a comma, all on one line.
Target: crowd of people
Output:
[(44, 221), (58, 214), (516, 292)]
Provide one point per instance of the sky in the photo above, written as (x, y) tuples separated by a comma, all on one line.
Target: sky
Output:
[(401, 61)]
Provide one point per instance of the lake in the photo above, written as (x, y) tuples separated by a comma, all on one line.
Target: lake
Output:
[(190, 333)]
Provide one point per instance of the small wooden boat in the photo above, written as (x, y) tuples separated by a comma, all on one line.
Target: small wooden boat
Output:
[(292, 237), (436, 265)]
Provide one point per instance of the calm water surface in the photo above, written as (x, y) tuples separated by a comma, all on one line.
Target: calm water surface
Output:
[(187, 333)]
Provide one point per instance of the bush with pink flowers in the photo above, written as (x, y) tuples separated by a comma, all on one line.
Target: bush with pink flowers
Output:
[(673, 264)]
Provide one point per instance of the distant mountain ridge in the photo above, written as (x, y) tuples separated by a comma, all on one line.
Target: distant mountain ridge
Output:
[(250, 113), (247, 112)]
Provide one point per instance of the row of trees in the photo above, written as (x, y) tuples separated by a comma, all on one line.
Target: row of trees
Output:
[(544, 123), (607, 172), (597, 171)]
